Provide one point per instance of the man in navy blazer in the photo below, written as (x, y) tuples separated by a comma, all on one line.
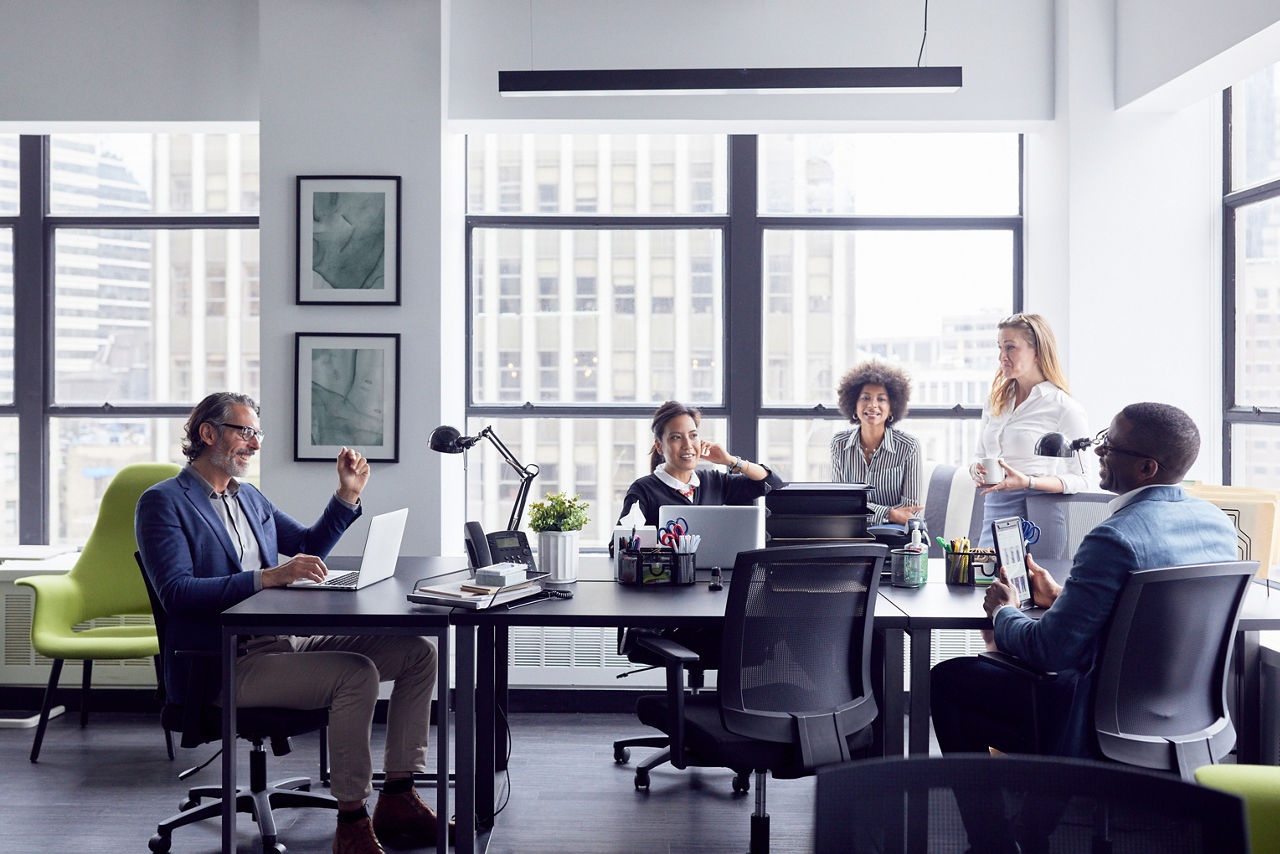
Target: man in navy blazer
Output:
[(209, 540)]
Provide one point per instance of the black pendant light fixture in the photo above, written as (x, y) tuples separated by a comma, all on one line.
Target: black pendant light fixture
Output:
[(717, 81)]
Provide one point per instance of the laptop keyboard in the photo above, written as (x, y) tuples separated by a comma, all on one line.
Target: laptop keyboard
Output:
[(347, 579)]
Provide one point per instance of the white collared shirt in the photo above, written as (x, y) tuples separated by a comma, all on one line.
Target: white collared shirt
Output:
[(1122, 501), (1013, 436), (675, 483)]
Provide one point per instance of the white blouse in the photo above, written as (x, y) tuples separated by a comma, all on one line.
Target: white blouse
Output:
[(1013, 436)]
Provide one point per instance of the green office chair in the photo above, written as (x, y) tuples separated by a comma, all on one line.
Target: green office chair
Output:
[(1259, 785), (104, 582)]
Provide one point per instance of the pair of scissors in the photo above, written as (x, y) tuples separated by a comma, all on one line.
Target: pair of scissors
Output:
[(672, 531), (1030, 532)]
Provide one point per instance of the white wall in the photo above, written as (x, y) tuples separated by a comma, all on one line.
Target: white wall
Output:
[(127, 61), (1141, 240), (1005, 47), (352, 87), (1173, 53)]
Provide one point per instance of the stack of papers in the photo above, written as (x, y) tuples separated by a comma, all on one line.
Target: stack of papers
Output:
[(468, 594)]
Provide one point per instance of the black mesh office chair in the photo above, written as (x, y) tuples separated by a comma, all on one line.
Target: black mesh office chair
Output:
[(200, 722), (1043, 803), (795, 670), (1160, 689)]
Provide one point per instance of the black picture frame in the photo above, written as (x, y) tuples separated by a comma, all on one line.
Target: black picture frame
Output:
[(338, 257), (346, 394)]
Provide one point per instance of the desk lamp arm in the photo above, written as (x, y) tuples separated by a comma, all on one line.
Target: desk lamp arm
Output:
[(527, 474)]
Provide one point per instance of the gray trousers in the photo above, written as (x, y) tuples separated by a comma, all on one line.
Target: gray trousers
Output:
[(342, 673)]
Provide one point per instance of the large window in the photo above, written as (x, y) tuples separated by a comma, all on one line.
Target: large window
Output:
[(136, 293), (742, 274), (1251, 279)]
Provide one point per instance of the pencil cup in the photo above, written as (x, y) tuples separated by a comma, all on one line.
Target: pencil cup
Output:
[(684, 568), (909, 568), (960, 568)]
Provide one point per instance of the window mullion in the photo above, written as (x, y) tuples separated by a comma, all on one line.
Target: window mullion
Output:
[(32, 338), (744, 299)]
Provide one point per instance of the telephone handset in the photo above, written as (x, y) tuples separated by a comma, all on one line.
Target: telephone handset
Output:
[(497, 547)]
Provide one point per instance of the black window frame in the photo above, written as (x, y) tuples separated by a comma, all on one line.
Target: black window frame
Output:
[(742, 229), (35, 232), (1233, 411)]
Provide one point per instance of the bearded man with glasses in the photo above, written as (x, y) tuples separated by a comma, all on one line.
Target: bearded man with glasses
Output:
[(209, 541)]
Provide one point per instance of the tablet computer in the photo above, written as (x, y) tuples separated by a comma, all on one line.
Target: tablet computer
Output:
[(1011, 554)]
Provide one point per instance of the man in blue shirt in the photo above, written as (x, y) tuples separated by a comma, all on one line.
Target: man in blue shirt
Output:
[(1153, 523)]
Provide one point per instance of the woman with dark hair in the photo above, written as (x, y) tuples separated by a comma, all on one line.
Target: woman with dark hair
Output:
[(676, 479), (1029, 397), (873, 396)]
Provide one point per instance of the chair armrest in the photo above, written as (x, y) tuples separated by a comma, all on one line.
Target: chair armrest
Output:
[(667, 649), (677, 657), (1017, 665)]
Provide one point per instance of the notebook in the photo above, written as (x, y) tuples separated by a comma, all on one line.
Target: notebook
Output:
[(381, 549), (725, 531)]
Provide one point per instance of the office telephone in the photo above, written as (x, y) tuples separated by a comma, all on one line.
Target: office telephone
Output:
[(497, 547)]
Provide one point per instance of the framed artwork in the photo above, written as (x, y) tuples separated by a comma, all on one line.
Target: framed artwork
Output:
[(348, 250), (347, 393)]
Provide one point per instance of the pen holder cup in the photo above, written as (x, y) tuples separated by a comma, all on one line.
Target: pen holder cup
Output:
[(960, 568)]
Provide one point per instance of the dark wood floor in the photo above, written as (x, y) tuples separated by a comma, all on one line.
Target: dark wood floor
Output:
[(103, 788)]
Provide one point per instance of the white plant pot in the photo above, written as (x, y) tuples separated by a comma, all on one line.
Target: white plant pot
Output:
[(558, 555)]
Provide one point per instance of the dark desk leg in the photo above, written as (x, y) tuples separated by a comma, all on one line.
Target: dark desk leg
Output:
[(442, 737), (921, 652), (886, 679), (500, 659), (487, 728), (465, 791), (229, 643), (1248, 718)]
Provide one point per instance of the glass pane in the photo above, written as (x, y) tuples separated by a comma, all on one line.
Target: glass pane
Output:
[(890, 174), (800, 448), (597, 174), (8, 174), (1255, 455), (1258, 304), (154, 316), (6, 315), (587, 316), (154, 173), (88, 452), (1255, 129), (8, 481), (928, 300), (597, 458)]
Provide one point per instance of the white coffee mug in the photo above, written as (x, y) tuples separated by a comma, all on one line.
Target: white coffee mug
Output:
[(994, 474)]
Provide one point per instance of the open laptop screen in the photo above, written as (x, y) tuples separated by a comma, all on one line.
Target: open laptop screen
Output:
[(725, 531)]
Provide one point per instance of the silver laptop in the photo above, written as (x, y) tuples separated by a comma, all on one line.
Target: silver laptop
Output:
[(381, 549), (725, 531)]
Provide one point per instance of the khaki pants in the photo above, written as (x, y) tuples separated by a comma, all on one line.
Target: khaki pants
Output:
[(342, 673)]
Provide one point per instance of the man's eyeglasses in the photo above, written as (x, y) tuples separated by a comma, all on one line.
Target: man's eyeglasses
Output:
[(1102, 446), (246, 433)]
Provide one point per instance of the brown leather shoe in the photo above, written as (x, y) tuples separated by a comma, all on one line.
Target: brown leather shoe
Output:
[(405, 815), (356, 838)]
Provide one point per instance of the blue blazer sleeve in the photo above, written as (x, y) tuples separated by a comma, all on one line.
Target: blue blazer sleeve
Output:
[(1066, 637)]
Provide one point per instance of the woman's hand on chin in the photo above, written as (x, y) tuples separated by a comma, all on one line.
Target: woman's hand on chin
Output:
[(712, 452)]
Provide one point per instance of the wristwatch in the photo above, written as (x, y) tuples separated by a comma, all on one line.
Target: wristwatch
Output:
[(1031, 482), (737, 465)]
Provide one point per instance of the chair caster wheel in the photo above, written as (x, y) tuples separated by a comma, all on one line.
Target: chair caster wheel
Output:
[(278, 848), (160, 844), (188, 804), (741, 784), (642, 781), (621, 755)]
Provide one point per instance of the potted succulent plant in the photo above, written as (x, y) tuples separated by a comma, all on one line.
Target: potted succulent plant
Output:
[(557, 519)]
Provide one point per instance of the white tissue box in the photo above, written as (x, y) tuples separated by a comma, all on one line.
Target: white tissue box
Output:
[(501, 574)]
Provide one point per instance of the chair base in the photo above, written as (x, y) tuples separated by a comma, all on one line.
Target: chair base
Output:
[(622, 754), (294, 792)]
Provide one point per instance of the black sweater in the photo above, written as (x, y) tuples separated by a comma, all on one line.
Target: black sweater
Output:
[(715, 488)]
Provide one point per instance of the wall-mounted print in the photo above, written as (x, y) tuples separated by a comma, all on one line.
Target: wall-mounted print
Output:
[(347, 393), (348, 240)]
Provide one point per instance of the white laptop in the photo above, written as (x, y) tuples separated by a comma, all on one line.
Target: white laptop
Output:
[(381, 549), (725, 531)]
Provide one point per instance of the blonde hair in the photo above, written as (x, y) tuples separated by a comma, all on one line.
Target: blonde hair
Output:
[(1037, 330)]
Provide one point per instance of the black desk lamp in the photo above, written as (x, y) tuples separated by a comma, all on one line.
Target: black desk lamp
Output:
[(447, 440), (1058, 445)]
